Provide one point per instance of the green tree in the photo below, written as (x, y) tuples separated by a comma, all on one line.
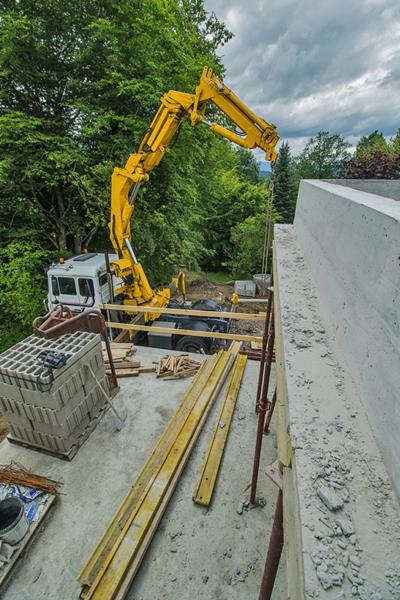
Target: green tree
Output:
[(247, 238), (248, 165), (323, 157), (231, 193), (22, 289), (395, 142), (284, 184), (375, 158), (372, 143), (79, 83)]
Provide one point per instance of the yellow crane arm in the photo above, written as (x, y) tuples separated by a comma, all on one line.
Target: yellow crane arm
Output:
[(174, 108)]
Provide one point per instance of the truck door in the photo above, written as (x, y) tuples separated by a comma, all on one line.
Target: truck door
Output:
[(86, 291), (64, 290)]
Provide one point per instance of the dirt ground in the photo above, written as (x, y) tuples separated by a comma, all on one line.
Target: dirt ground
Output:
[(202, 288)]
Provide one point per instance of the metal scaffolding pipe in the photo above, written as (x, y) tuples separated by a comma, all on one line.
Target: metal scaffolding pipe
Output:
[(262, 407), (274, 552), (264, 346)]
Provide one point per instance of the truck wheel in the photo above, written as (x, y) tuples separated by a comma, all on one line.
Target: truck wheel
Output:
[(190, 343)]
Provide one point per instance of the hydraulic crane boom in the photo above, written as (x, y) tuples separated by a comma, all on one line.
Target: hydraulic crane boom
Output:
[(175, 107)]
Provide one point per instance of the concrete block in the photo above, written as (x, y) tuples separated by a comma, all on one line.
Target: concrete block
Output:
[(57, 418), (245, 287), (263, 282), (19, 364)]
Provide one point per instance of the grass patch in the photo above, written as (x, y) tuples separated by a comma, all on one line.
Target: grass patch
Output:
[(218, 277)]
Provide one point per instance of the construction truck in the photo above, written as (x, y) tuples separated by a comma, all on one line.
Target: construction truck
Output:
[(93, 280)]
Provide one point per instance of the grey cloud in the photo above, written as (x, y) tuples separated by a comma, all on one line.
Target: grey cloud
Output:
[(310, 65)]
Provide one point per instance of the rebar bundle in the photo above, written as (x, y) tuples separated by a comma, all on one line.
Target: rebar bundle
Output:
[(17, 474)]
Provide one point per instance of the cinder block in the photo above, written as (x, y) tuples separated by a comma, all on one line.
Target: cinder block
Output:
[(13, 419), (63, 416)]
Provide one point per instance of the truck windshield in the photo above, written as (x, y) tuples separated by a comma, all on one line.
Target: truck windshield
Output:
[(66, 286)]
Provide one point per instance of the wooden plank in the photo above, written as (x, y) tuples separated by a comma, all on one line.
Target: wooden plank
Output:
[(256, 345), (292, 535), (210, 334), (122, 346), (124, 364), (128, 543), (208, 474), (105, 544), (134, 567), (125, 372), (281, 408), (253, 300), (235, 348), (152, 310)]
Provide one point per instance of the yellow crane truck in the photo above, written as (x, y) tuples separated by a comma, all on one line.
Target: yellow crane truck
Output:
[(83, 279)]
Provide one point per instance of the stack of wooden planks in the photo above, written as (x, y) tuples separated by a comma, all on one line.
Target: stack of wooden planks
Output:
[(177, 367), (122, 355), (115, 561)]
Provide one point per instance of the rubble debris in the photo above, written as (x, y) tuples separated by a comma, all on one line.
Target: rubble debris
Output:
[(330, 498)]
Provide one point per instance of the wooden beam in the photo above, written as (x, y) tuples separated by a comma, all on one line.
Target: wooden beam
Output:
[(191, 332), (132, 535), (252, 300), (184, 312), (209, 471)]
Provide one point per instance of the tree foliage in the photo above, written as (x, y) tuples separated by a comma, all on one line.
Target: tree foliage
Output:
[(248, 238), (284, 184), (375, 158), (323, 157), (22, 289), (79, 83)]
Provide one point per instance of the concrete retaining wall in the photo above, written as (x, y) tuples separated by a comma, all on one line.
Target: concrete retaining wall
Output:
[(351, 242), (388, 188)]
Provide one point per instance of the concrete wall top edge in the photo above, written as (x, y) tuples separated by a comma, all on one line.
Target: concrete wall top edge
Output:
[(376, 202), (388, 188)]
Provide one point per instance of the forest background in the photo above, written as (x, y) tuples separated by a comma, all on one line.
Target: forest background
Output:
[(79, 84)]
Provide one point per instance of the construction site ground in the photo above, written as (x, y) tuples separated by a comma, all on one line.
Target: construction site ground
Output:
[(200, 553), (222, 293)]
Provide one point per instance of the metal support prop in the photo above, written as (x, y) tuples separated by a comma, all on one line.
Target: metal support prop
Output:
[(262, 407), (121, 417), (264, 347), (270, 413), (274, 552)]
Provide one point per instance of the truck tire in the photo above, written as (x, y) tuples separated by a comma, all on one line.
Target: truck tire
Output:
[(189, 343)]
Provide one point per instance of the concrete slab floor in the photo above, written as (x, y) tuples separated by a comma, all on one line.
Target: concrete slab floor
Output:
[(196, 553)]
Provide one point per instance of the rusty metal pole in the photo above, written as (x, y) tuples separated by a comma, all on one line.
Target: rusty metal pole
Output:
[(270, 412), (264, 347), (274, 552), (262, 407)]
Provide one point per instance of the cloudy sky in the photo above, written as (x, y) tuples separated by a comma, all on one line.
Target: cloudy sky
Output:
[(308, 65)]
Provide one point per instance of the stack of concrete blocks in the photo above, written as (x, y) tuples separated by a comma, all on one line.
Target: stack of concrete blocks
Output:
[(57, 418)]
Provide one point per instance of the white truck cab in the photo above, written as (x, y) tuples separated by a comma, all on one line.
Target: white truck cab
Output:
[(81, 279)]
